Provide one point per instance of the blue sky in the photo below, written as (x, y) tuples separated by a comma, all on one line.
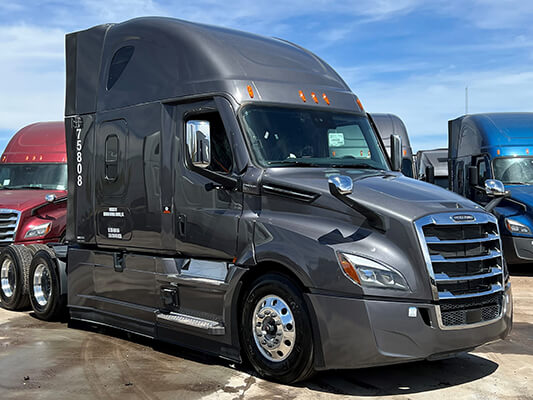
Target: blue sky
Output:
[(412, 58)]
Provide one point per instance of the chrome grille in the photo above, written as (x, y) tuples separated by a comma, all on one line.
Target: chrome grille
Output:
[(9, 220), (465, 264)]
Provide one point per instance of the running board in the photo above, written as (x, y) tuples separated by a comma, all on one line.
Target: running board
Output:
[(208, 326)]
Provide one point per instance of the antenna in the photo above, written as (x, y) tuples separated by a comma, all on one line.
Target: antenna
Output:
[(466, 100)]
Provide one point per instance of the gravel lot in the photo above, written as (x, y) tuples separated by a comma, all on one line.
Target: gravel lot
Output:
[(40, 360)]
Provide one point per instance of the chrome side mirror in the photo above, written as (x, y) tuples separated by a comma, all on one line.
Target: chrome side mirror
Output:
[(396, 152), (199, 143), (343, 183), (495, 188)]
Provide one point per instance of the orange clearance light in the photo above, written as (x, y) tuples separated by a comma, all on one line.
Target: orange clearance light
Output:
[(302, 96), (404, 152), (348, 268), (3, 158), (498, 151), (40, 158), (27, 158), (313, 96), (34, 158), (527, 151), (250, 91), (360, 105), (325, 98)]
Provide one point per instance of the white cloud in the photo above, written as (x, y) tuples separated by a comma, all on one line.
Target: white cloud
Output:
[(426, 102), (32, 67)]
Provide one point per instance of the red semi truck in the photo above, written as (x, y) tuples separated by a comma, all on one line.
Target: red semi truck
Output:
[(33, 207)]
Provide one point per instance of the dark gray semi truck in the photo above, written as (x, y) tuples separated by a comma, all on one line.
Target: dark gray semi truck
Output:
[(227, 193)]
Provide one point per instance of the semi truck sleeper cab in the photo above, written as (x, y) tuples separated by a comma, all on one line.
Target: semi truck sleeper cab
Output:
[(228, 193)]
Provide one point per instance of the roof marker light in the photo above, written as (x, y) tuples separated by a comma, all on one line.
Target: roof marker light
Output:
[(527, 151), (250, 91), (313, 96), (404, 152), (325, 98), (40, 158), (34, 158), (27, 158), (498, 151), (302, 96), (360, 105)]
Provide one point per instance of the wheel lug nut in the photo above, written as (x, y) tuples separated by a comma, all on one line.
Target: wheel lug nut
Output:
[(267, 312), (260, 315)]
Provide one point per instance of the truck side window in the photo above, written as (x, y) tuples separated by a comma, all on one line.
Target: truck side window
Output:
[(111, 158), (482, 171), (460, 178), (221, 155), (118, 64)]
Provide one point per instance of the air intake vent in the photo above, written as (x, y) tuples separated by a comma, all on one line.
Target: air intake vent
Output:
[(296, 194), (465, 263)]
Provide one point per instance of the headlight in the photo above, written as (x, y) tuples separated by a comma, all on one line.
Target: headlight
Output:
[(516, 227), (368, 273), (39, 230)]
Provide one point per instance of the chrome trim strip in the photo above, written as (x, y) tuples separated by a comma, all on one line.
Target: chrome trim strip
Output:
[(435, 240), (441, 259), (444, 278)]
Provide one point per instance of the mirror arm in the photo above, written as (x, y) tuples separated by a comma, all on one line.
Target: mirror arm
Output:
[(226, 182)]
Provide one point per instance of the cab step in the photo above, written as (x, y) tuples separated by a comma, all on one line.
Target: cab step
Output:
[(206, 325)]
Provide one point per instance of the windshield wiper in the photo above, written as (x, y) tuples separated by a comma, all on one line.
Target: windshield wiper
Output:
[(294, 163), (22, 187), (356, 166)]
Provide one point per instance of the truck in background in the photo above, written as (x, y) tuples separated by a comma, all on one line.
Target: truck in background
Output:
[(228, 193), (497, 146), (390, 124), (432, 166), (33, 206)]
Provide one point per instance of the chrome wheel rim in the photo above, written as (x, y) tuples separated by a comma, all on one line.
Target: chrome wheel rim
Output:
[(273, 328), (42, 285), (8, 277)]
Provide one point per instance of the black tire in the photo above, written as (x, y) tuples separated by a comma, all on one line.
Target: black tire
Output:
[(298, 364), (14, 283), (34, 248), (46, 299)]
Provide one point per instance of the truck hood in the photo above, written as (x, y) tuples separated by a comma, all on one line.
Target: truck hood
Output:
[(389, 193), (522, 193), (23, 200)]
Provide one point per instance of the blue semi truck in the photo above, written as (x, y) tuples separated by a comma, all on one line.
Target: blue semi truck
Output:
[(497, 147)]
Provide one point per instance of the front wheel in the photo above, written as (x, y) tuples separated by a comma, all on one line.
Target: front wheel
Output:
[(45, 287), (275, 330)]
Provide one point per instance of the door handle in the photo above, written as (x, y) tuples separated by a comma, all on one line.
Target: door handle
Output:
[(182, 224)]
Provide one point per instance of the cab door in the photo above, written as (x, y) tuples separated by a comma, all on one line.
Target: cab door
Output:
[(206, 208)]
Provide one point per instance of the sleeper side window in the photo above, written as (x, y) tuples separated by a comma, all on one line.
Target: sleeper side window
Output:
[(118, 64)]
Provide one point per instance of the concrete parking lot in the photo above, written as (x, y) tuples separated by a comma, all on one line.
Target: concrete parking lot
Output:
[(40, 360)]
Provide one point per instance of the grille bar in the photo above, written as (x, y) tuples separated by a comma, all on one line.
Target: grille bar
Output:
[(494, 288), (436, 240), (441, 259), (442, 277), (9, 220)]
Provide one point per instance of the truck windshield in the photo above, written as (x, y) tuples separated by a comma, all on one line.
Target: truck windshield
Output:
[(514, 171), (298, 137), (33, 176)]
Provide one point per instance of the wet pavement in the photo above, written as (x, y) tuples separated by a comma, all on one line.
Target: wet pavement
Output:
[(43, 360)]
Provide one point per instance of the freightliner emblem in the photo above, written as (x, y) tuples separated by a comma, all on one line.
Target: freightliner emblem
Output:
[(463, 217)]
